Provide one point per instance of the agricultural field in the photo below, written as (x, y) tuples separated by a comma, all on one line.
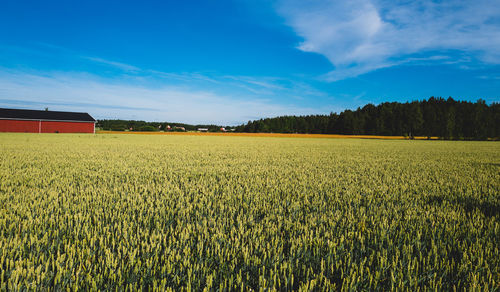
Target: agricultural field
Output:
[(180, 212)]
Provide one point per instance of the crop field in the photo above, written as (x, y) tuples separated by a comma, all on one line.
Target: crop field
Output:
[(281, 135), (161, 212)]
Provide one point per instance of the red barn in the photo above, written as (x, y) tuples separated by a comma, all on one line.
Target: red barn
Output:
[(33, 121)]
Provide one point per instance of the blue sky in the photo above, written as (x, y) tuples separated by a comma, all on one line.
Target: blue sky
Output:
[(227, 62)]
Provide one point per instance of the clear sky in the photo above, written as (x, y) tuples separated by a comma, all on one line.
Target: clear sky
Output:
[(227, 62)]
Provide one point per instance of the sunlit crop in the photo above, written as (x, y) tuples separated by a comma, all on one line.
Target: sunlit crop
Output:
[(109, 212)]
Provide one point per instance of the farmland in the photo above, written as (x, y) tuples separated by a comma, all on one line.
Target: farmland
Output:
[(193, 212)]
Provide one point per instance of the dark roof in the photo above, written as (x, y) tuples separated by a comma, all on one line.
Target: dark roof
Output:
[(22, 114)]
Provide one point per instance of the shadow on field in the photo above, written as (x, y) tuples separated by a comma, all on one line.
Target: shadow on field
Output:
[(491, 164), (468, 204)]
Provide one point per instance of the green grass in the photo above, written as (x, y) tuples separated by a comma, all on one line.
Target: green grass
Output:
[(195, 212)]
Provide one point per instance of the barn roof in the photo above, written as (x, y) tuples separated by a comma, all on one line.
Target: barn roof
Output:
[(23, 114)]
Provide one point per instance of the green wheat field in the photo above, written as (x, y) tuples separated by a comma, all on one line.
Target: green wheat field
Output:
[(115, 212)]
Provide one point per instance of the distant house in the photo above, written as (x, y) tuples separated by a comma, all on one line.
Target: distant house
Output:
[(203, 129), (36, 121)]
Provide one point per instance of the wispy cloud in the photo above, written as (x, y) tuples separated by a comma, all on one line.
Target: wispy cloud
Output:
[(131, 92), (118, 65), (360, 36), (121, 98), (489, 77)]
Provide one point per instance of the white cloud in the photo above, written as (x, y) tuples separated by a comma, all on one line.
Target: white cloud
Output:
[(118, 65), (122, 98), (131, 92), (359, 36), (489, 77)]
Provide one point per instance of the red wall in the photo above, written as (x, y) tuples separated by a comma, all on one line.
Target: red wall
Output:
[(46, 127), (67, 127), (18, 126)]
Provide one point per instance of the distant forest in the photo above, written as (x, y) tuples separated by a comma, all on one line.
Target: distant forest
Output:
[(435, 117), (143, 126)]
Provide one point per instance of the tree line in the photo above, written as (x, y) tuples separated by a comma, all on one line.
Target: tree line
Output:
[(143, 126), (435, 117)]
